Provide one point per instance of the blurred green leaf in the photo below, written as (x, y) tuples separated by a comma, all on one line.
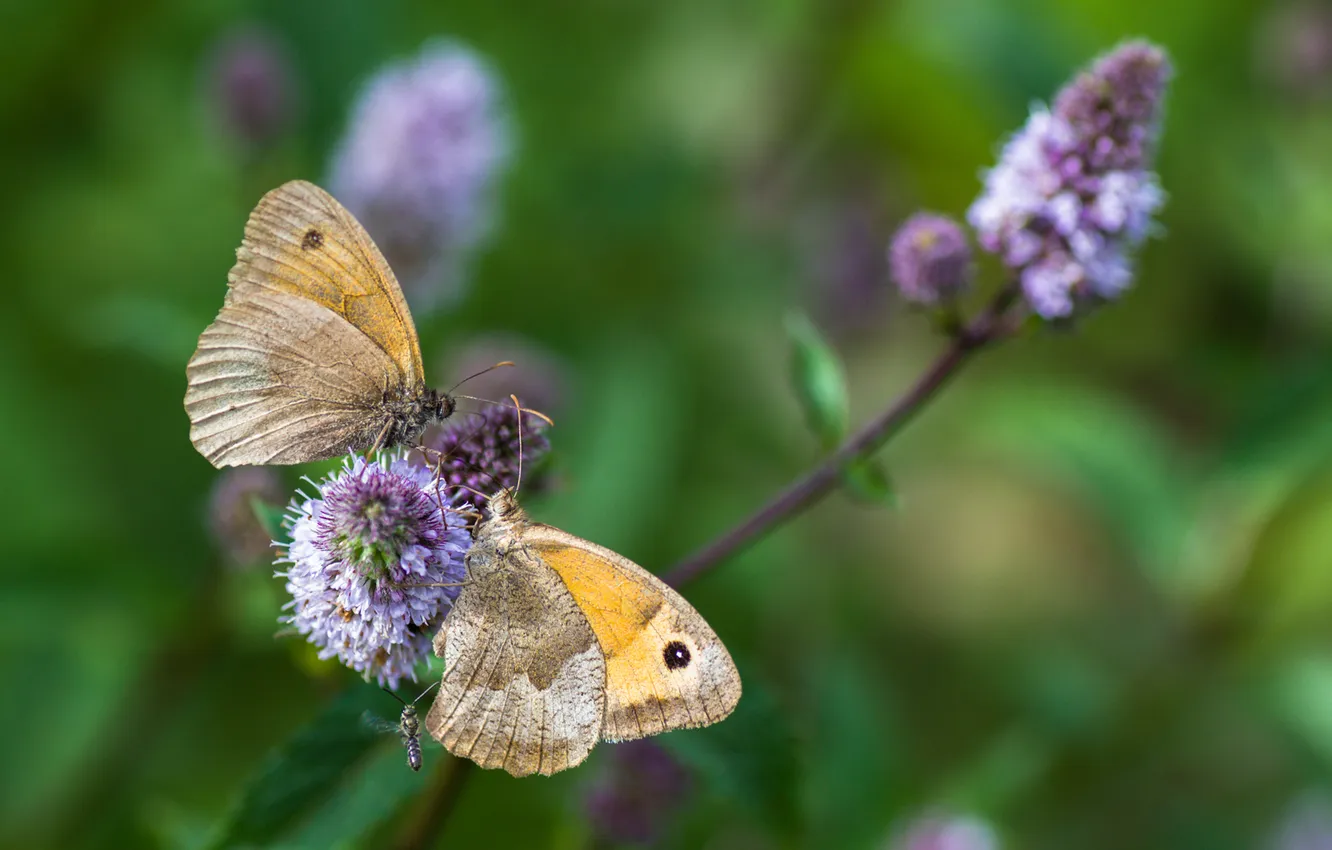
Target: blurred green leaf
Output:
[(300, 777), (1002, 773), (868, 481), (271, 517), (819, 380), (372, 795), (849, 754), (1119, 457), (1301, 694)]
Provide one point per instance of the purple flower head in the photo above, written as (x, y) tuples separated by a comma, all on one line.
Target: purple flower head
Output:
[(366, 556), (251, 87), (637, 796), (231, 518), (947, 832), (480, 452), (1073, 194), (418, 163), (1306, 824), (930, 259)]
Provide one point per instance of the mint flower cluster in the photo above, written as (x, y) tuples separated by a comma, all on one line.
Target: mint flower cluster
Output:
[(1071, 199), (376, 553)]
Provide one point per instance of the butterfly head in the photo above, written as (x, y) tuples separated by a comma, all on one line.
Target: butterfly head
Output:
[(411, 415), (503, 506)]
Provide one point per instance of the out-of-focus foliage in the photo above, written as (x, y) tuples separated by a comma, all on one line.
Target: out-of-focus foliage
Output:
[(1100, 616)]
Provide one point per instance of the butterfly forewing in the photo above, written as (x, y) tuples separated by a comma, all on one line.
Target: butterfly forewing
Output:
[(313, 341), (299, 239)]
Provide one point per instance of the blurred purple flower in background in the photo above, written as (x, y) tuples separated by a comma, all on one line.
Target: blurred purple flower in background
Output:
[(480, 451), (418, 164), (847, 263), (235, 528), (1306, 825), (642, 787), (929, 259), (251, 87), (947, 832), (1293, 48), (361, 553), (1073, 193)]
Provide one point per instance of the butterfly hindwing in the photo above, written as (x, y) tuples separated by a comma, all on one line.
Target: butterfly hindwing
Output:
[(524, 677)]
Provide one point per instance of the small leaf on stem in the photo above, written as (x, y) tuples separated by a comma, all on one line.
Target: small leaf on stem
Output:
[(270, 517), (868, 481), (819, 380)]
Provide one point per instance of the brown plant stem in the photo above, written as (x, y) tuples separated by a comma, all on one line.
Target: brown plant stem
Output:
[(433, 813), (988, 327)]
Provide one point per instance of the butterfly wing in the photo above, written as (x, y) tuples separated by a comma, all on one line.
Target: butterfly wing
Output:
[(312, 336), (523, 687), (665, 667)]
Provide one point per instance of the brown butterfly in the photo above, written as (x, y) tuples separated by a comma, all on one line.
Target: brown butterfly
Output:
[(556, 643), (314, 352)]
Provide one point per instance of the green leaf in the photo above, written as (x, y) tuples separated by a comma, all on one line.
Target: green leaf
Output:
[(1299, 694), (853, 752), (271, 517), (819, 381), (868, 481), (372, 795), (301, 776)]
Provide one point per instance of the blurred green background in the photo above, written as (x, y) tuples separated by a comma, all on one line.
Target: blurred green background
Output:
[(1099, 616)]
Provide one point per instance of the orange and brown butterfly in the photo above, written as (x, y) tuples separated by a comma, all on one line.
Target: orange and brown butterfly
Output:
[(555, 643), (314, 352)]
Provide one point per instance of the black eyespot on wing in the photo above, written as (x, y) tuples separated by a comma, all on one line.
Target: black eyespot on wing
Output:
[(676, 655), (313, 239)]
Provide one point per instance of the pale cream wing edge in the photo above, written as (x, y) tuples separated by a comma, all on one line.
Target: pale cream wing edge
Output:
[(644, 697)]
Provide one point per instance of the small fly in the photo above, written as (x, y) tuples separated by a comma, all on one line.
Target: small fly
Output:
[(408, 728)]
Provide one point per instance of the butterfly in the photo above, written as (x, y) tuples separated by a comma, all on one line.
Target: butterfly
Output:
[(314, 352), (555, 643)]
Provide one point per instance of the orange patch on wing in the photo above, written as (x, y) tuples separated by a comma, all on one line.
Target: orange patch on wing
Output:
[(618, 609)]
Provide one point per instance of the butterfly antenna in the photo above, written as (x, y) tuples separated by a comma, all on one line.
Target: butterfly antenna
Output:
[(519, 408), (395, 696), (543, 417), (498, 365)]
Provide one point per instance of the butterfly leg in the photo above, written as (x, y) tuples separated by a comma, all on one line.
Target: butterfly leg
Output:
[(381, 439)]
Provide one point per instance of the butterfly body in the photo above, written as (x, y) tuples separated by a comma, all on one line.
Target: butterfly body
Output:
[(314, 351), (556, 643)]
